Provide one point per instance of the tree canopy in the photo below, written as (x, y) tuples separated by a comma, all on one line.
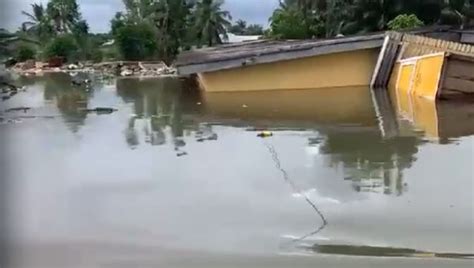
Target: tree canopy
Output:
[(160, 29), (56, 27), (176, 24), (240, 27), (325, 18), (211, 22)]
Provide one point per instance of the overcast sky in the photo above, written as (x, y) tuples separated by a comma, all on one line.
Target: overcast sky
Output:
[(99, 12)]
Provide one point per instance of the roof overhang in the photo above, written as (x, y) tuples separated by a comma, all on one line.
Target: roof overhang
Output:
[(317, 49)]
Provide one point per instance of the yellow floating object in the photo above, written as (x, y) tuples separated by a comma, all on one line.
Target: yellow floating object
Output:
[(265, 134)]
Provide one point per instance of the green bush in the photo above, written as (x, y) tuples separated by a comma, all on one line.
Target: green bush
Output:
[(96, 55), (25, 52), (288, 24), (404, 21), (62, 46), (291, 23), (110, 53), (254, 29), (136, 41)]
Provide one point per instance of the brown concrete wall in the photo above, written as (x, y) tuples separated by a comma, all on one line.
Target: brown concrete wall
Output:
[(333, 70)]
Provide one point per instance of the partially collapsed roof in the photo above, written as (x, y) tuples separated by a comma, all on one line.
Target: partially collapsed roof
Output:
[(266, 51)]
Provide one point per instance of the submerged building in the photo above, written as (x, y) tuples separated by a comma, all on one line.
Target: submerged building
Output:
[(268, 65), (300, 64)]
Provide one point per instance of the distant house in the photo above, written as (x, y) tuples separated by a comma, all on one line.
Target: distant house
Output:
[(232, 38), (109, 50), (108, 43)]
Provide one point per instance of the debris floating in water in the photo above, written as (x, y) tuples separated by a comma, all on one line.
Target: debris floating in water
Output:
[(101, 110), (265, 134), (180, 154), (5, 121), (18, 109), (9, 90)]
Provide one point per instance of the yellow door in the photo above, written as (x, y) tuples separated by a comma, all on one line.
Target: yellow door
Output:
[(427, 75), (404, 86)]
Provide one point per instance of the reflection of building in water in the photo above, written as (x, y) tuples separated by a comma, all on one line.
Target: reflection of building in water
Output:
[(349, 136), (377, 164), (434, 119), (378, 179), (351, 105), (371, 163)]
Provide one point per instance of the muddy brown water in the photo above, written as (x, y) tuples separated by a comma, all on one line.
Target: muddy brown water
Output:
[(178, 178)]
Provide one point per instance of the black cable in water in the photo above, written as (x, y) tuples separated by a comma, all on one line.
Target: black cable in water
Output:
[(295, 189)]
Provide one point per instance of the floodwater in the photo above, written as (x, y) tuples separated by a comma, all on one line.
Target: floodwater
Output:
[(175, 178)]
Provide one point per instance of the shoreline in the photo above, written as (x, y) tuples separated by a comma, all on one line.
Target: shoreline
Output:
[(118, 69), (40, 73)]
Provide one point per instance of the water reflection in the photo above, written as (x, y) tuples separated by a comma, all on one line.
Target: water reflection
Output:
[(70, 100), (440, 120), (347, 130), (349, 135), (295, 108), (346, 125), (370, 162), (164, 110), (199, 178)]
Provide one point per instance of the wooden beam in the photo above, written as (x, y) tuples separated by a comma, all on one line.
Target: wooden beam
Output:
[(386, 60)]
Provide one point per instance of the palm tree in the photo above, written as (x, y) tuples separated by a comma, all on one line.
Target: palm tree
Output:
[(457, 12), (38, 23), (35, 18), (308, 4), (336, 15), (170, 21), (172, 33), (288, 22), (308, 7), (373, 15), (239, 27), (212, 21), (140, 10), (241, 24), (64, 14)]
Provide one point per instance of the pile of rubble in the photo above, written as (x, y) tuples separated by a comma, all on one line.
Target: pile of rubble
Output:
[(32, 67), (116, 68), (134, 69)]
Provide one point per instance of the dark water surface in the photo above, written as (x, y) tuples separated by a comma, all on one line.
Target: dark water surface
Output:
[(174, 178)]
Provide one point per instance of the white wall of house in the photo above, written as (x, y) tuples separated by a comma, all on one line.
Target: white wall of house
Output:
[(232, 38)]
